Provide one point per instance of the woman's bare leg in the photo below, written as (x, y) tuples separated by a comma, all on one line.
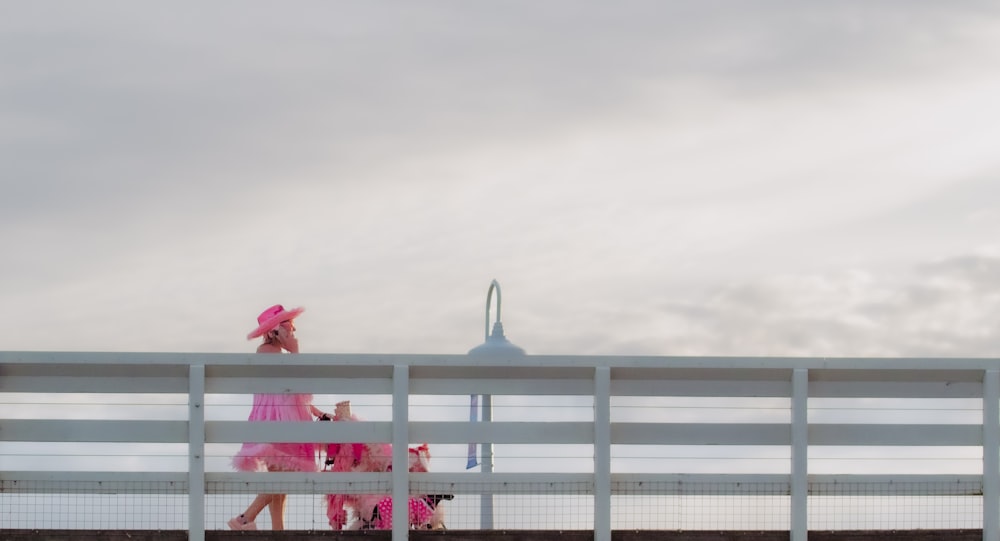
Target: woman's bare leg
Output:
[(277, 508), (276, 505), (257, 505)]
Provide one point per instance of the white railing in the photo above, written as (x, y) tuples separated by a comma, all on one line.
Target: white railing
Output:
[(784, 422)]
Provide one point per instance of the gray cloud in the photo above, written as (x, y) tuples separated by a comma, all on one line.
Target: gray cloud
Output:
[(381, 162), (174, 81), (948, 308)]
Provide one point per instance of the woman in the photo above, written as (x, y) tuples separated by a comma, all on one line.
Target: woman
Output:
[(277, 326)]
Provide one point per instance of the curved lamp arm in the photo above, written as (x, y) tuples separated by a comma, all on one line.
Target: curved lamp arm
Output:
[(489, 295)]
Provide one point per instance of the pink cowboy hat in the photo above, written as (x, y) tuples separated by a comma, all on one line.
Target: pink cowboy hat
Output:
[(269, 319)]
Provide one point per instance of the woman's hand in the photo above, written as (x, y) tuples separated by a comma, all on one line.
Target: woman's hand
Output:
[(320, 414), (286, 339)]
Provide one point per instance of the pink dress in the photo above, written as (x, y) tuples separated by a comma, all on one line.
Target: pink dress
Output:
[(278, 456)]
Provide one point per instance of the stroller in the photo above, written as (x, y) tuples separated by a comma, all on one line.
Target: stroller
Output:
[(374, 511)]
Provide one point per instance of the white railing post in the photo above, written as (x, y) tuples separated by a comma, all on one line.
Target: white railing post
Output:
[(800, 455), (400, 452), (991, 455), (486, 466), (602, 454), (196, 453)]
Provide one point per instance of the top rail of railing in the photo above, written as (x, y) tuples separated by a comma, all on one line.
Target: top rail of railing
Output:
[(155, 372), (500, 359)]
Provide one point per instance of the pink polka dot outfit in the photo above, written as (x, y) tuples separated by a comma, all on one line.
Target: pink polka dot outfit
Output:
[(420, 513)]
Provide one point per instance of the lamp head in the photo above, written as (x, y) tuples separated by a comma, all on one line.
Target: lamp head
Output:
[(496, 343)]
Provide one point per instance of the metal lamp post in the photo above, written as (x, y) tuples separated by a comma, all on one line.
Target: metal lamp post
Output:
[(495, 345)]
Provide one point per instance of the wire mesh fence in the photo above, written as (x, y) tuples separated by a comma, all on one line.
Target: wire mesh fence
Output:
[(693, 505), (93, 505), (225, 500), (896, 505), (635, 505)]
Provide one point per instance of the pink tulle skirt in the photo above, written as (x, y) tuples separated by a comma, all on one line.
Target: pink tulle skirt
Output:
[(278, 456)]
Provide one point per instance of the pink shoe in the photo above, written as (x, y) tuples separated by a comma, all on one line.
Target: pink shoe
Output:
[(241, 523)]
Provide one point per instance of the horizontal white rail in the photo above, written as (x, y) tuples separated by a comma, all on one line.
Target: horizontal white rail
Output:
[(34, 482)]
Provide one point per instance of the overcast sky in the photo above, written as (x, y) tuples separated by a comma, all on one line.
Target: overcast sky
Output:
[(661, 177)]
